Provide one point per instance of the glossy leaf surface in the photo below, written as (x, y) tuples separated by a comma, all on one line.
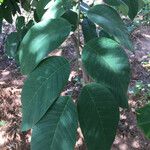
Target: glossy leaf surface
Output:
[(108, 18), (98, 116), (58, 127), (72, 18), (41, 89), (41, 39), (55, 10)]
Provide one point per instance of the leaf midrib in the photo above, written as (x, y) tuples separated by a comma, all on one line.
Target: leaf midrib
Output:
[(45, 82), (58, 124), (92, 99)]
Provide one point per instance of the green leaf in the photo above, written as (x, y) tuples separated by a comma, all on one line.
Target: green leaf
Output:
[(105, 61), (22, 32), (58, 127), (14, 39), (123, 9), (29, 24), (7, 15), (141, 4), (55, 10), (133, 7), (41, 89), (26, 4), (20, 23), (40, 7), (98, 116), (89, 30), (1, 1), (108, 18), (113, 2), (1, 24), (84, 7), (72, 20), (12, 44), (36, 17), (41, 39), (143, 119), (102, 34), (13, 6)]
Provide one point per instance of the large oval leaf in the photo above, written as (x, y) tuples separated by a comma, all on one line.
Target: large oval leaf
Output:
[(57, 129), (42, 38), (143, 119), (113, 2), (98, 116), (41, 89), (106, 61), (110, 21)]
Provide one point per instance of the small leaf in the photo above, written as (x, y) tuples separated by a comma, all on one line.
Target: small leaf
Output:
[(102, 34), (133, 7), (58, 127), (89, 30), (40, 8), (12, 44), (123, 9), (22, 32), (13, 6), (98, 116), (106, 61), (108, 18), (1, 24), (7, 15), (14, 39), (26, 4), (20, 23), (72, 20), (41, 39), (1, 1), (143, 119), (41, 89)]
